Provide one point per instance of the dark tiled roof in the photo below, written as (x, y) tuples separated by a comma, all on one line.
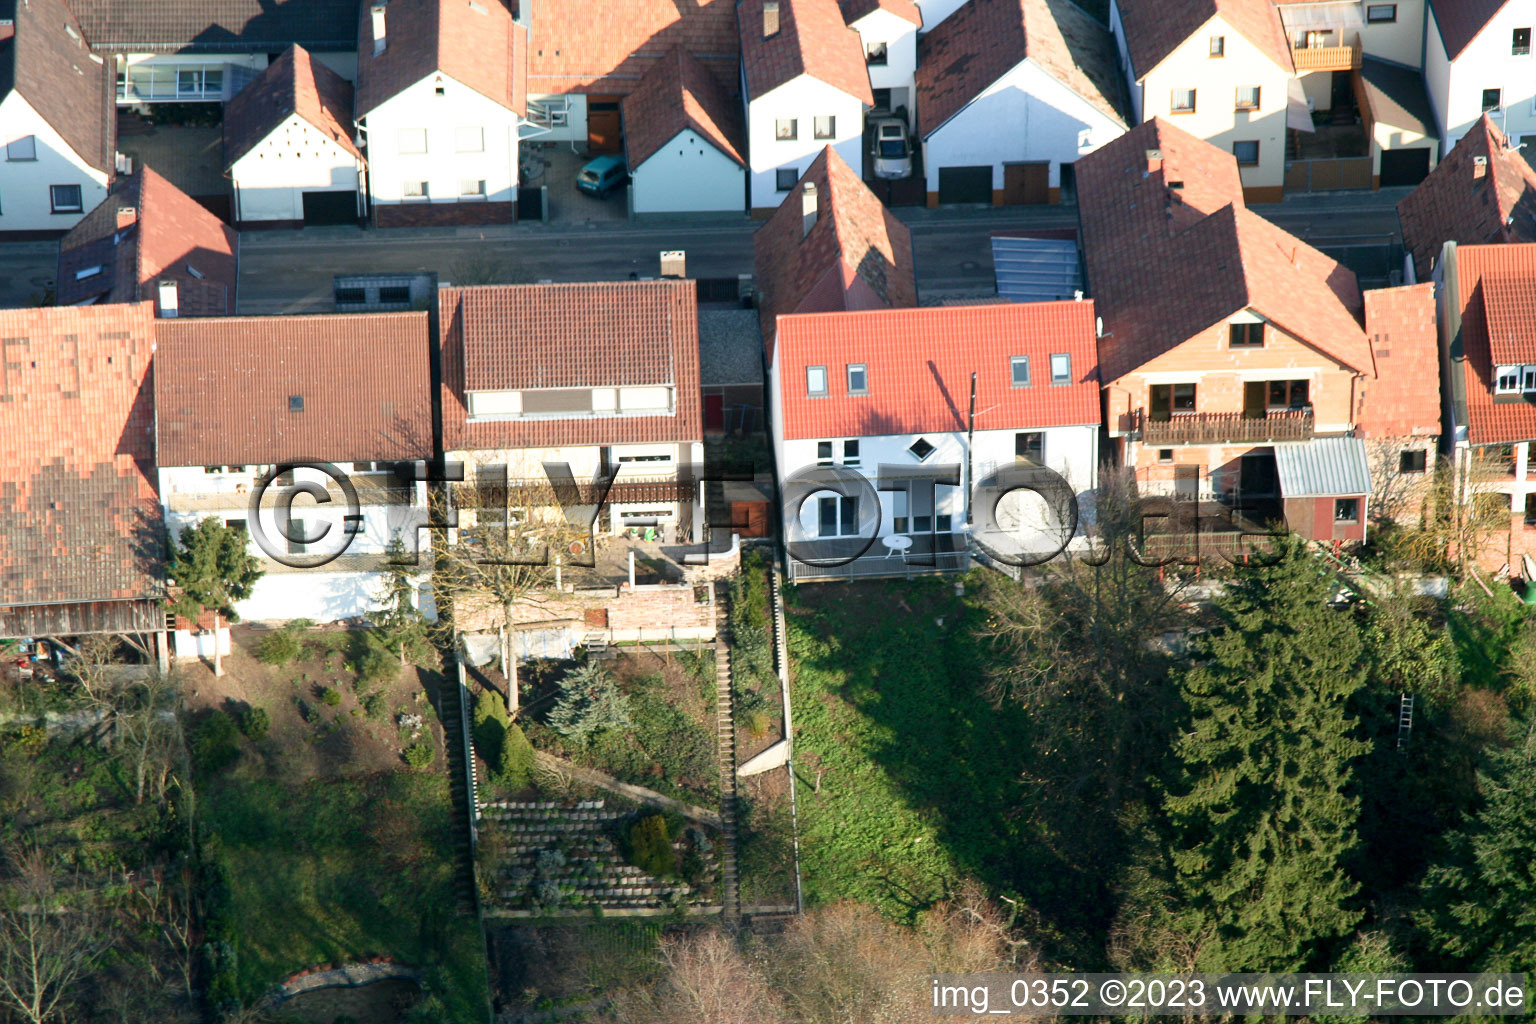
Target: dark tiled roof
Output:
[(1397, 97), (78, 517), (47, 61), (919, 364), (681, 94), (984, 39), (292, 84), (474, 42), (606, 46), (217, 25), (856, 256), (514, 337), (1403, 400), (165, 235), (1155, 28), (1489, 420), (1460, 21), (223, 388), (853, 10), (812, 40), (1458, 204)]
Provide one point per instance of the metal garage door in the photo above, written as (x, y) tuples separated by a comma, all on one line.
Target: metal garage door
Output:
[(1404, 166), (965, 184), (330, 208)]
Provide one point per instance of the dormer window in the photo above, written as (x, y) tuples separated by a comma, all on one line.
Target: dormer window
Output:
[(1506, 380)]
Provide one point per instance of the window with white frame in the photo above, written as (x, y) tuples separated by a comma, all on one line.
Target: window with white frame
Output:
[(469, 139), (416, 190), (1247, 97), (24, 148), (1061, 368), (858, 379), (1182, 101), (1520, 43), (1018, 370), (816, 380), (876, 53), (1506, 380), (826, 127), (65, 198), (786, 128), (472, 188), (1493, 99), (1218, 46), (823, 453), (837, 517), (1380, 14), (851, 452), (411, 141)]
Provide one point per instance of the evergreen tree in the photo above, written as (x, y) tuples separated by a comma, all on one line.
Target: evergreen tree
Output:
[(1259, 811), (212, 570), (399, 626), (1480, 905), (590, 701)]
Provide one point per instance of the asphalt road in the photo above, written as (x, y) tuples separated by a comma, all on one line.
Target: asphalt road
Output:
[(291, 271)]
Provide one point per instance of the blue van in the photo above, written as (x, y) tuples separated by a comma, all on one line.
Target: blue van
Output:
[(602, 175)]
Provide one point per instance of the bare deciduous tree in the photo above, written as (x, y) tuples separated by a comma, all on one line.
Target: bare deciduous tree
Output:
[(50, 938)]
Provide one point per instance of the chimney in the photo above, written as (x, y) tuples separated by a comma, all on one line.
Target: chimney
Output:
[(1479, 167), (378, 28), (1154, 161), (674, 263), (770, 18), (808, 208), (168, 298), (126, 216)]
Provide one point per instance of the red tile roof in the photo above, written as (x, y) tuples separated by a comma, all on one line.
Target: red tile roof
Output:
[(1460, 21), (79, 521), (920, 361), (223, 387), (1509, 304), (854, 10), (812, 40), (1163, 265), (1458, 204), (680, 94), (1403, 399), (292, 84), (1490, 420), (514, 337), (985, 39), (856, 256), (1155, 28), (606, 46), (47, 61), (474, 42), (147, 231)]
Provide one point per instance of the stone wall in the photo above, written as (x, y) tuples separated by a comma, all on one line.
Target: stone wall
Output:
[(441, 215)]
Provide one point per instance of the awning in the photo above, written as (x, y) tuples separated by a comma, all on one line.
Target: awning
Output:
[(1303, 16), (1036, 269), (1297, 114), (1323, 467)]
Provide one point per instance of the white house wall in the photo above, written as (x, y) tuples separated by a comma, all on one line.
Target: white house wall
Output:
[(935, 11), (688, 175), (270, 180), (25, 204), (1487, 63), (1027, 115), (441, 166), (803, 98), (575, 127), (899, 72), (1127, 74), (1400, 41)]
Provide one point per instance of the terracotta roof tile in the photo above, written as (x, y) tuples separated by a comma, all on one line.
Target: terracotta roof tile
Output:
[(1460, 21), (680, 94), (1489, 420), (1509, 306), (856, 256), (79, 520), (1403, 399), (854, 10), (212, 26), (47, 61), (223, 387), (1457, 204), (812, 40), (985, 39), (606, 46), (292, 84), (1155, 28), (514, 337), (474, 42), (1166, 263), (166, 235), (919, 364)]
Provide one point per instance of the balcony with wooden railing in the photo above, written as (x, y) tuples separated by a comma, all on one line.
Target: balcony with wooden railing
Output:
[(1344, 57), (1226, 427)]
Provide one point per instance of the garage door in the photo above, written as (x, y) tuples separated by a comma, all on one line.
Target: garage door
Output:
[(1026, 183), (1404, 166), (965, 184), (330, 208)]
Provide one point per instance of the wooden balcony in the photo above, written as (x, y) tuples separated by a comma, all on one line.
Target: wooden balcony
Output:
[(1327, 58), (1226, 427)]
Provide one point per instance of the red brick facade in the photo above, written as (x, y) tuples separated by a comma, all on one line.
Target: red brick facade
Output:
[(442, 215)]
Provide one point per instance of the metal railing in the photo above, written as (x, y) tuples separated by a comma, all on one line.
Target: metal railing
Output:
[(875, 566), (1226, 427)]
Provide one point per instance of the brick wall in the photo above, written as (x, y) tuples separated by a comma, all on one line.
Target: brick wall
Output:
[(441, 215), (645, 612)]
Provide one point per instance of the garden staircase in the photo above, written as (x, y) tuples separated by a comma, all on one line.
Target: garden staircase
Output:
[(725, 723), (454, 715)]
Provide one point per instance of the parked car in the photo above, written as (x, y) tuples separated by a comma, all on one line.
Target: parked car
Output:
[(602, 175), (892, 149)]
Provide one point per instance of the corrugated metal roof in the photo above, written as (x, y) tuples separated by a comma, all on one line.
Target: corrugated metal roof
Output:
[(1036, 269), (1322, 467)]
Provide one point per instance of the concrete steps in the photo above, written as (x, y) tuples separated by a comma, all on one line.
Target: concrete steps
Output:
[(725, 731)]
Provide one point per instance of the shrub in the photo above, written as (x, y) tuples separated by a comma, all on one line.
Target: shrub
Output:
[(255, 723), (648, 847), (514, 768), (419, 756), (279, 647), (374, 664), (330, 696), (375, 707), (590, 702), (215, 743)]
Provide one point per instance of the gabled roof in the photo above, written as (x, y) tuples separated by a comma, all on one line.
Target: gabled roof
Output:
[(812, 40), (47, 61), (606, 46), (78, 515), (918, 365), (1165, 264), (213, 26), (985, 39), (1460, 21), (681, 94), (474, 42), (857, 255), (223, 387), (1155, 28), (1403, 400), (1489, 419), (146, 231), (906, 10), (292, 84), (612, 334), (1460, 202)]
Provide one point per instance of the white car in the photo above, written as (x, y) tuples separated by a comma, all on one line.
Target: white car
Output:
[(892, 149)]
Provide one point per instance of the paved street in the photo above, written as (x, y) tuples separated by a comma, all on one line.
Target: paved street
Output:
[(290, 271)]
